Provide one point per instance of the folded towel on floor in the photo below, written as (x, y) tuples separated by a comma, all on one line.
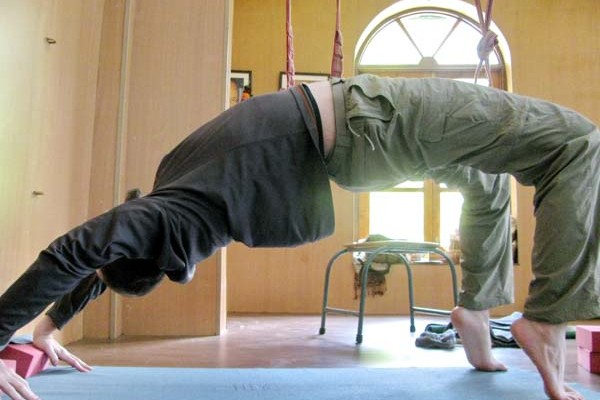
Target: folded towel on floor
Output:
[(499, 331), (431, 340)]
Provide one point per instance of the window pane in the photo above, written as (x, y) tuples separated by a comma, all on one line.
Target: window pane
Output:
[(428, 30), (411, 185), (482, 80), (397, 215), (461, 48), (450, 206), (390, 46)]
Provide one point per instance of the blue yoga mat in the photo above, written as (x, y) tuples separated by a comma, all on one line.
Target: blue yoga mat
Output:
[(133, 383)]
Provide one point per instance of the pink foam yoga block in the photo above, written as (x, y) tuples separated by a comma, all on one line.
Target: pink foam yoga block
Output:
[(588, 360), (29, 359), (588, 337)]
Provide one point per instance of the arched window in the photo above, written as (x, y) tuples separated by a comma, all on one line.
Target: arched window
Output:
[(432, 41)]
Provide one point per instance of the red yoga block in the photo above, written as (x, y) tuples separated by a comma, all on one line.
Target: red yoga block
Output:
[(588, 337), (588, 360), (29, 359)]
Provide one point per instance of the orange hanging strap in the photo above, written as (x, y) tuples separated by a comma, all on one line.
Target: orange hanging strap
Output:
[(290, 70), (337, 62), (488, 41)]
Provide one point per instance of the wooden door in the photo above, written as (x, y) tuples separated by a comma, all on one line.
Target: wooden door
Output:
[(64, 105), (162, 77), (179, 66), (49, 51), (19, 30)]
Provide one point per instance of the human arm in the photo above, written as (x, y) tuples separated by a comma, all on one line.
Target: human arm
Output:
[(72, 303), (17, 387), (44, 340), (13, 385), (44, 282), (60, 313), (131, 230), (63, 310)]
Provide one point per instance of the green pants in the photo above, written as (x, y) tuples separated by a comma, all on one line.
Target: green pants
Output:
[(390, 130)]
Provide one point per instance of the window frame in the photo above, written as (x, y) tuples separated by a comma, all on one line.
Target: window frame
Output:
[(431, 190), (360, 68)]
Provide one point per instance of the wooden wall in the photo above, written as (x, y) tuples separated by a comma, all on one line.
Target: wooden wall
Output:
[(47, 101), (555, 48), (67, 107), (158, 85), (88, 116)]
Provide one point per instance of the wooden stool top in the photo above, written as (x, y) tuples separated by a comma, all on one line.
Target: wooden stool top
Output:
[(392, 245)]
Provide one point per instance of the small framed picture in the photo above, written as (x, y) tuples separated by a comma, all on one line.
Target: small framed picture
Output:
[(301, 77), (240, 87)]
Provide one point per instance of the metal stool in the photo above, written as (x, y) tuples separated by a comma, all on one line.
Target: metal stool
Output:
[(372, 250)]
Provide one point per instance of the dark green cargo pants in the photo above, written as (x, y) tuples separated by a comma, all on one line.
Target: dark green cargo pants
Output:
[(471, 137)]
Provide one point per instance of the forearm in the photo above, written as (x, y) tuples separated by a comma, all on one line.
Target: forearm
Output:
[(71, 259), (72, 303), (45, 281), (45, 327)]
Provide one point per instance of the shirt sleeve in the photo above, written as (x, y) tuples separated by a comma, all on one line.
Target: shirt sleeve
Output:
[(72, 303), (44, 282), (65, 271)]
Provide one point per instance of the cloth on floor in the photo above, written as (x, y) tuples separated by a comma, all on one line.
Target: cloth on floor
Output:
[(499, 330), (571, 332), (431, 340), (438, 328)]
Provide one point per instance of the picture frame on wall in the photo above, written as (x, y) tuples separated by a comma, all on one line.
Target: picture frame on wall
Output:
[(240, 86), (301, 77)]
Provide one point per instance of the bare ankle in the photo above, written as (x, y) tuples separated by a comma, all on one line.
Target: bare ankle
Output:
[(473, 329), (545, 345)]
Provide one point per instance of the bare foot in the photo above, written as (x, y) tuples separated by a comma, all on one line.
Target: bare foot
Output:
[(474, 330), (545, 345)]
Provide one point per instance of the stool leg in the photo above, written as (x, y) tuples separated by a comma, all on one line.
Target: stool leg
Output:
[(411, 294), (363, 292), (363, 296), (326, 289)]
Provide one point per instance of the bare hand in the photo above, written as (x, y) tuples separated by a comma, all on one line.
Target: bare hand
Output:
[(43, 340), (13, 385)]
